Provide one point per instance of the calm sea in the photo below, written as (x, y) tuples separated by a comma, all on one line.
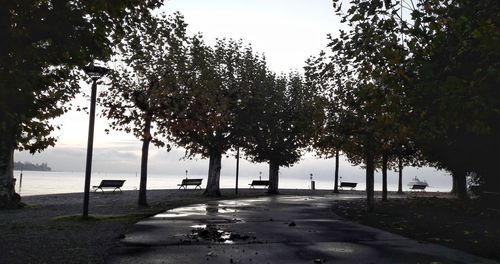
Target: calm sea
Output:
[(42, 182)]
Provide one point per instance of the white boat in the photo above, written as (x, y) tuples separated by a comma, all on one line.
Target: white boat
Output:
[(416, 181)]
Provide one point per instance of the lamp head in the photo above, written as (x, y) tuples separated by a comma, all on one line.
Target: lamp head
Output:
[(95, 72)]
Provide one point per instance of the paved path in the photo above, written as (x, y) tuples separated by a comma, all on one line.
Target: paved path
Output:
[(279, 229)]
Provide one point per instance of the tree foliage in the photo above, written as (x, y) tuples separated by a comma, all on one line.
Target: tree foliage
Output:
[(363, 75), (422, 88), (455, 97), (43, 43), (217, 82), (39, 54), (28, 166), (143, 89), (286, 115)]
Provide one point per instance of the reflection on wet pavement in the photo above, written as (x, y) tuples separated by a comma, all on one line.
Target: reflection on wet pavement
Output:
[(273, 229)]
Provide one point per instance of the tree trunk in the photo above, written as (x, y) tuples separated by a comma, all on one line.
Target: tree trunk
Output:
[(213, 185), (460, 183), (385, 159), (8, 196), (336, 185), (273, 177), (370, 178), (454, 183), (237, 169), (144, 162), (489, 187), (400, 171)]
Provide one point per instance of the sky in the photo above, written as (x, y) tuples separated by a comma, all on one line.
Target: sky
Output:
[(286, 31)]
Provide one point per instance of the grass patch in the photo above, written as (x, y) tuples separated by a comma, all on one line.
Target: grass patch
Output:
[(96, 218), (30, 206), (466, 225)]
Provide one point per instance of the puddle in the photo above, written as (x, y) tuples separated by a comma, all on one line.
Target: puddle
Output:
[(198, 226), (210, 209), (335, 248), (215, 233), (170, 215), (224, 207)]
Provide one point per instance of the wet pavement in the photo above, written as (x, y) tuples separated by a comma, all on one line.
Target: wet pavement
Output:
[(274, 229)]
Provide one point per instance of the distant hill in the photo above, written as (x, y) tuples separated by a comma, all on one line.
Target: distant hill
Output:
[(28, 166)]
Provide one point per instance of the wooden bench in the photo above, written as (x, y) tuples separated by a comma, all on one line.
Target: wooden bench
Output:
[(115, 184), (418, 187), (186, 182), (351, 185), (258, 183)]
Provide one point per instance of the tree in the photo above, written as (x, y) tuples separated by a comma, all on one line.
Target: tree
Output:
[(287, 113), (28, 166), (406, 154), (217, 81), (143, 89), (364, 73), (455, 67), (328, 140), (43, 43)]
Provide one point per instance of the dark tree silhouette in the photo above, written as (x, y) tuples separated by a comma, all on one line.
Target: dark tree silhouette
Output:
[(363, 69), (286, 114), (218, 80), (28, 166), (143, 89), (328, 140), (43, 43), (455, 96)]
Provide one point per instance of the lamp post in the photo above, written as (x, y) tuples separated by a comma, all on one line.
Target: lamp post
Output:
[(95, 72), (312, 182)]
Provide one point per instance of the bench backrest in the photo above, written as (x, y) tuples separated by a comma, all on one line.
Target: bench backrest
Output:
[(348, 184), (112, 183), (418, 186), (260, 182), (191, 181)]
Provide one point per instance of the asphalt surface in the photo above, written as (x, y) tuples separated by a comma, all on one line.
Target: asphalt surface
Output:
[(275, 229)]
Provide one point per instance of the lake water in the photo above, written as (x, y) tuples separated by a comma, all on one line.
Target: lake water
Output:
[(42, 182)]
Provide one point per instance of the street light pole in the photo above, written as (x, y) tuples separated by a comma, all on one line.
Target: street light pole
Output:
[(90, 147), (95, 72)]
